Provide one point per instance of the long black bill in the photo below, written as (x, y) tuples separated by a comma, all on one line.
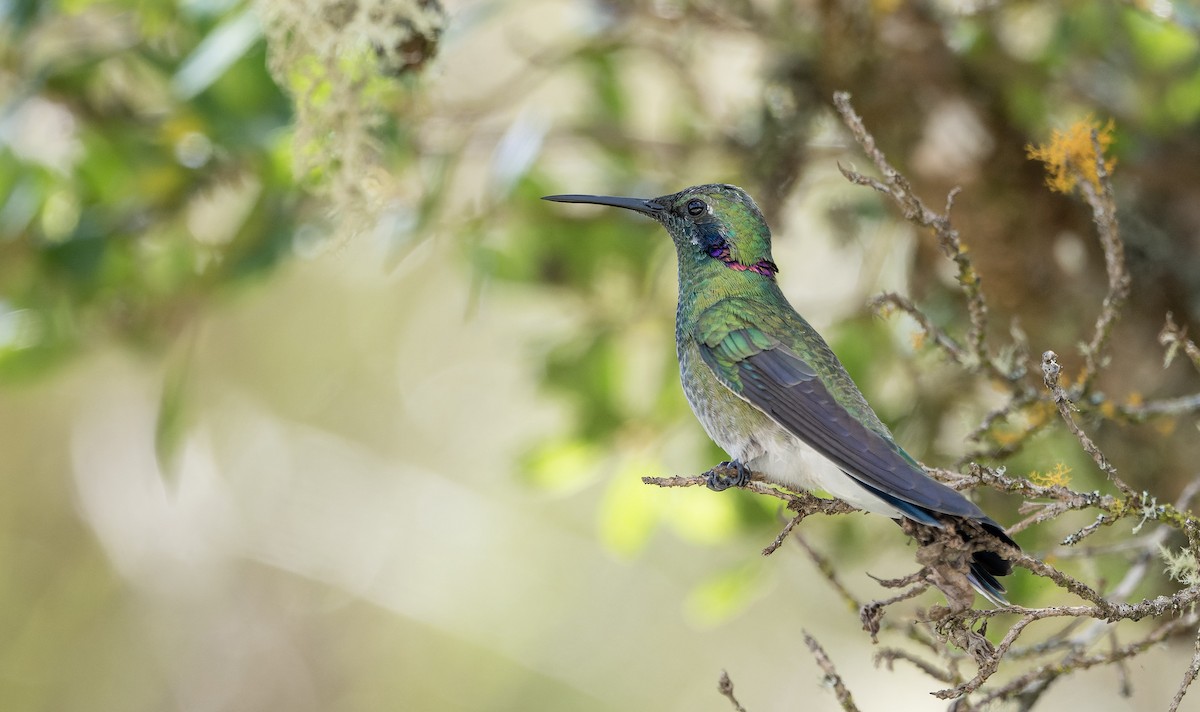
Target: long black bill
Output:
[(641, 205)]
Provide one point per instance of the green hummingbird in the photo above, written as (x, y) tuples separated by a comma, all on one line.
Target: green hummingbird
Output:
[(770, 391)]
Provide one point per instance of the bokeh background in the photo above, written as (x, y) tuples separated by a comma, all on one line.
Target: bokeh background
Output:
[(307, 402)]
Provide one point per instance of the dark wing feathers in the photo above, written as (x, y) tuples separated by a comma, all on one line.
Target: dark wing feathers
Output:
[(773, 378)]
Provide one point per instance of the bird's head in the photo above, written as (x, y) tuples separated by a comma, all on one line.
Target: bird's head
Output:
[(710, 224)]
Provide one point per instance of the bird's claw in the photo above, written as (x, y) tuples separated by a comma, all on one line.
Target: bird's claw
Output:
[(727, 474)]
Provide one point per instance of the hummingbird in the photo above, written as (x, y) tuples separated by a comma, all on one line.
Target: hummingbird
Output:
[(769, 390)]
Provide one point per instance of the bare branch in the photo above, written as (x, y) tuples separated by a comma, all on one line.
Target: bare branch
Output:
[(787, 529), (871, 614), (826, 569), (990, 663), (897, 187), (932, 332), (803, 503), (832, 678), (1188, 676), (1174, 337), (888, 656), (1041, 677), (1173, 407), (1051, 372), (1099, 197), (1016, 403), (725, 687)]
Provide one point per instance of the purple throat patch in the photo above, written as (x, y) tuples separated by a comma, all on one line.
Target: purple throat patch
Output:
[(720, 251)]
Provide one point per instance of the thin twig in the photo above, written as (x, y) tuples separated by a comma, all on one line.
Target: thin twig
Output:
[(832, 678), (939, 337), (1188, 676), (1173, 407), (787, 529), (871, 614), (1174, 337), (1051, 372), (914, 210), (888, 656), (725, 687), (1099, 197), (1016, 403), (826, 568)]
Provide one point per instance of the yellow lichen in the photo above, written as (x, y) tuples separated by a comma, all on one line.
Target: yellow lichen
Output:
[(918, 340), (1069, 154), (1026, 422), (1060, 476)]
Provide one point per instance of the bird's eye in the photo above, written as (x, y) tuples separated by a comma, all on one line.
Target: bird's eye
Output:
[(696, 207)]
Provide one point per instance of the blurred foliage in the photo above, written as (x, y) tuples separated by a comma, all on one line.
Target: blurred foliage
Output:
[(349, 69), (143, 167), (147, 156)]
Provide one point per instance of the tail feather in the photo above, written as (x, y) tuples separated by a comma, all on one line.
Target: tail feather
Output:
[(985, 583), (985, 565)]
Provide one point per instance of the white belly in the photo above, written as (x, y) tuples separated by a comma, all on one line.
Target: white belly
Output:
[(782, 458), (752, 438)]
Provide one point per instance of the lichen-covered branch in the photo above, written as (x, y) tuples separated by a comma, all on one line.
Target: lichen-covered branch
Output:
[(802, 503), (1099, 197), (1034, 683), (1051, 372)]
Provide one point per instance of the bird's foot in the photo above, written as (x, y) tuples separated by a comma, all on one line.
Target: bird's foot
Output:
[(727, 474)]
